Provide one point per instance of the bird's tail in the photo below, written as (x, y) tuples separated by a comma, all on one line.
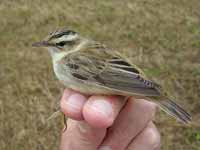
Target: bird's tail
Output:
[(175, 110)]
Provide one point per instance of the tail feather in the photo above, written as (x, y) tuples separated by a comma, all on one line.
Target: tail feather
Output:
[(175, 110)]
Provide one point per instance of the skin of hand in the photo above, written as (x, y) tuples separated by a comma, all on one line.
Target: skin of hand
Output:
[(108, 123)]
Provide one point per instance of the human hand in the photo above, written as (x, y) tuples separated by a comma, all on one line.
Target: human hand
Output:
[(108, 123)]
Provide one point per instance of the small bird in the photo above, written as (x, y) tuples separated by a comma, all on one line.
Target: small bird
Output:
[(90, 67)]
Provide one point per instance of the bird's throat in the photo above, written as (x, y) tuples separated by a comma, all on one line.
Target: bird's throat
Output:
[(57, 55)]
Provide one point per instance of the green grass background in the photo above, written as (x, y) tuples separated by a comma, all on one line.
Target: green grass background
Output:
[(161, 36)]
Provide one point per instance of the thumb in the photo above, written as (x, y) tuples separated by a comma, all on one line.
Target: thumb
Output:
[(79, 135)]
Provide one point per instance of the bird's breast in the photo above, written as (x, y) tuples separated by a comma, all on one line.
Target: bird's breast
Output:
[(62, 73)]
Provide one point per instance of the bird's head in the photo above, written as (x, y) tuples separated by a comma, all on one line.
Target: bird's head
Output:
[(60, 40)]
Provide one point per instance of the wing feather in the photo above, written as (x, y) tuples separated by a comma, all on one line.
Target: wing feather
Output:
[(100, 67)]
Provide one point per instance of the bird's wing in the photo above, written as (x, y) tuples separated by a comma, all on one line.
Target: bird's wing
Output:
[(99, 65)]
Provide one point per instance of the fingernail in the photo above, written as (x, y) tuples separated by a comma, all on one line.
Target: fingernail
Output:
[(75, 102), (102, 106), (104, 148)]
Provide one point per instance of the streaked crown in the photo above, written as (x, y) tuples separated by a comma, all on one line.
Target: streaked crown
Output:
[(62, 37)]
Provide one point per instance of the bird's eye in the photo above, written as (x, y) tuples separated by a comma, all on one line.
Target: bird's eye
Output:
[(61, 44)]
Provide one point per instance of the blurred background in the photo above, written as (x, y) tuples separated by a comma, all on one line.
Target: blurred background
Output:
[(163, 37)]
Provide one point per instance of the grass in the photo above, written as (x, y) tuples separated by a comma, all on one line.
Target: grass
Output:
[(161, 36)]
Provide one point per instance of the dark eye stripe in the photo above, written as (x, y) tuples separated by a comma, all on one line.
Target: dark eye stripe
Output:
[(63, 43)]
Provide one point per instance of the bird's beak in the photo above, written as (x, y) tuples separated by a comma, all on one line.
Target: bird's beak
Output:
[(41, 44)]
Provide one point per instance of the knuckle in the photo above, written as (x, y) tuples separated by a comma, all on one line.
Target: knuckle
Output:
[(151, 108), (153, 137), (85, 132), (89, 135)]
